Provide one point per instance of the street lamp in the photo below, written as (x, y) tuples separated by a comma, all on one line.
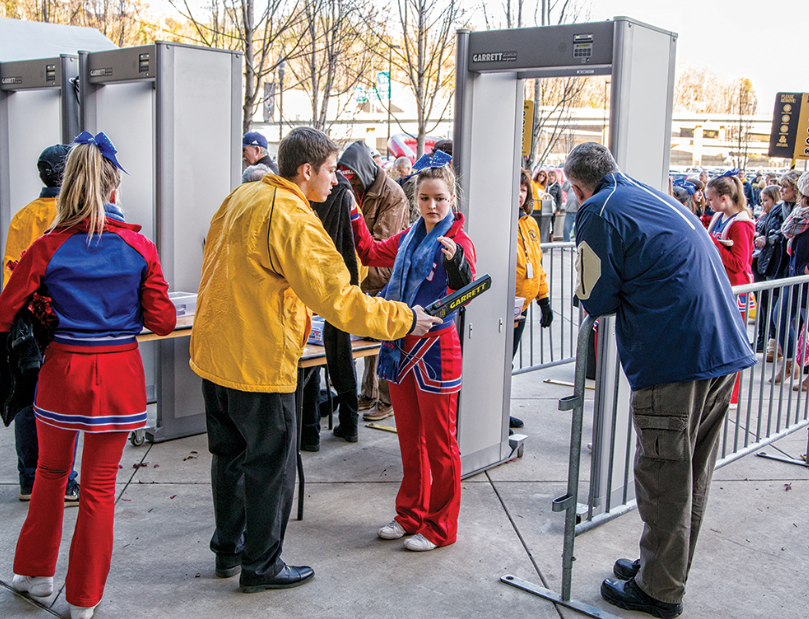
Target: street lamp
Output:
[(282, 67), (390, 80)]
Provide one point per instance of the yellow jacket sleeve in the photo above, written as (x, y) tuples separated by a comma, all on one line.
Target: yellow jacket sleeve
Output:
[(302, 252)]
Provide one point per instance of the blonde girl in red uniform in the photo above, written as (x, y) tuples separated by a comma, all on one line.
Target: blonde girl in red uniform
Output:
[(732, 230), (428, 259), (105, 283)]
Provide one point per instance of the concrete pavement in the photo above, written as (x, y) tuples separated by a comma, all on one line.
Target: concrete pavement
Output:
[(752, 559)]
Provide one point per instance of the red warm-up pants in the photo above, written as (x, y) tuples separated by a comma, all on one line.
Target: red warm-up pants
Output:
[(425, 424), (91, 547)]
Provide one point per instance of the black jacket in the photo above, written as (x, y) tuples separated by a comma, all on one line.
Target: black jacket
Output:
[(19, 366), (357, 157), (555, 191), (335, 215), (770, 256), (267, 161), (780, 257)]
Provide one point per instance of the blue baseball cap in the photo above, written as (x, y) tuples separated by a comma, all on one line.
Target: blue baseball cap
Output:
[(254, 138)]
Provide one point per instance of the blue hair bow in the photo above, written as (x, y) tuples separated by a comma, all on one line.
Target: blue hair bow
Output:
[(691, 188), (437, 160), (731, 173), (103, 144)]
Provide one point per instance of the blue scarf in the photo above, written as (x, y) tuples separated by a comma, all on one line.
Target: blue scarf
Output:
[(414, 261)]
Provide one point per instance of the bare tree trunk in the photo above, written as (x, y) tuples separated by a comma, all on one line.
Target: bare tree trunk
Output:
[(249, 67)]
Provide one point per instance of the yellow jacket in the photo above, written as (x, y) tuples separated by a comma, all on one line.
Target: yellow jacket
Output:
[(30, 223), (528, 251), (267, 258)]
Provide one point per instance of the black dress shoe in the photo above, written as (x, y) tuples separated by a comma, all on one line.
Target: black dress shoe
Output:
[(629, 596), (228, 565), (290, 576), (626, 569), (310, 446), (513, 422), (339, 432)]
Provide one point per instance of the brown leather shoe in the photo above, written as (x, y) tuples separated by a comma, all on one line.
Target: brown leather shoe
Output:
[(365, 402), (378, 412)]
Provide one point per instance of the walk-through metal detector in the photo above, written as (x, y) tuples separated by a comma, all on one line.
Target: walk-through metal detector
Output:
[(38, 108), (174, 113), (491, 67)]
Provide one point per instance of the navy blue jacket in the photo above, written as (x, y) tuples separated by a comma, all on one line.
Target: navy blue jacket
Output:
[(646, 258)]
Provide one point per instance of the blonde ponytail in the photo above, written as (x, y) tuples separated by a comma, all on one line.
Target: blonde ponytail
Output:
[(89, 179), (733, 188)]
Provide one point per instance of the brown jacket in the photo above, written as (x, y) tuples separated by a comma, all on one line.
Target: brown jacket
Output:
[(386, 212)]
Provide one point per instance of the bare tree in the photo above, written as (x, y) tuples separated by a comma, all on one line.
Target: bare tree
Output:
[(333, 54), (744, 102), (123, 21), (425, 56), (232, 24)]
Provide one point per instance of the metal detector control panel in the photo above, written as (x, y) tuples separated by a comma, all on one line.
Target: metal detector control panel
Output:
[(30, 74), (548, 47), (123, 65)]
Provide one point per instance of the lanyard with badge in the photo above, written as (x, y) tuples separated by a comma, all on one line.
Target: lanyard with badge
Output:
[(529, 268)]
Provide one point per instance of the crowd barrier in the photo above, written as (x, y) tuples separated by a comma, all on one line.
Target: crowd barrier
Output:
[(771, 405), (541, 348), (768, 407)]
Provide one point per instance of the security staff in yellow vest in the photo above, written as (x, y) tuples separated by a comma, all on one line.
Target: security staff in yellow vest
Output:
[(267, 259)]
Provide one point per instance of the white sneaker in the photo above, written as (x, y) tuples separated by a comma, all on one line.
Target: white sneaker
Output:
[(419, 543), (392, 531), (82, 612), (38, 586)]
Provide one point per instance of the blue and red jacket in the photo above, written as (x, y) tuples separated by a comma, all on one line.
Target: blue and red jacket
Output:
[(103, 292), (434, 358), (383, 254)]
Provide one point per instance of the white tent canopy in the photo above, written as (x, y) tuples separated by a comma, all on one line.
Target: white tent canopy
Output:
[(25, 40)]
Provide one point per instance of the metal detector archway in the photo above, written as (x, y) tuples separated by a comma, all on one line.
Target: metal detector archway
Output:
[(173, 112), (491, 67), (38, 108)]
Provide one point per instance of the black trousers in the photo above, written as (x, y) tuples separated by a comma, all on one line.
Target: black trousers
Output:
[(252, 437), (340, 362)]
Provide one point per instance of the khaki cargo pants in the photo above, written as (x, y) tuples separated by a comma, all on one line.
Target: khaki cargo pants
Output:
[(678, 426)]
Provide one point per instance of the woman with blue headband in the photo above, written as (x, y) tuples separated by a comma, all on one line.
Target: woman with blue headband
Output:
[(99, 283)]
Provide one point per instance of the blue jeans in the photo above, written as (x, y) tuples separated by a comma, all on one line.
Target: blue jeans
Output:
[(570, 219), (25, 435)]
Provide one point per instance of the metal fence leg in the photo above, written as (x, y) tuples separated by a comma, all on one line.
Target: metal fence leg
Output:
[(568, 502)]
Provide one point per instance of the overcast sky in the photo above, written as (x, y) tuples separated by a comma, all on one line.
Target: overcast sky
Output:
[(762, 40)]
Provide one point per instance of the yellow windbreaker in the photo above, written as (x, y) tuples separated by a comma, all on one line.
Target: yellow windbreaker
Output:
[(27, 226), (267, 258), (528, 251)]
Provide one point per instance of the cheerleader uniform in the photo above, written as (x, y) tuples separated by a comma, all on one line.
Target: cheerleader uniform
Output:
[(424, 372), (737, 258), (102, 293)]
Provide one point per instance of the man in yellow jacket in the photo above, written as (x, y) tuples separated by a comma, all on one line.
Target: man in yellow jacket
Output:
[(267, 259), (32, 220)]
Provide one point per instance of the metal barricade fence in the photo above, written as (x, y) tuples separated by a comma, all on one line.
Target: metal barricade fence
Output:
[(770, 404), (542, 348), (766, 411)]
